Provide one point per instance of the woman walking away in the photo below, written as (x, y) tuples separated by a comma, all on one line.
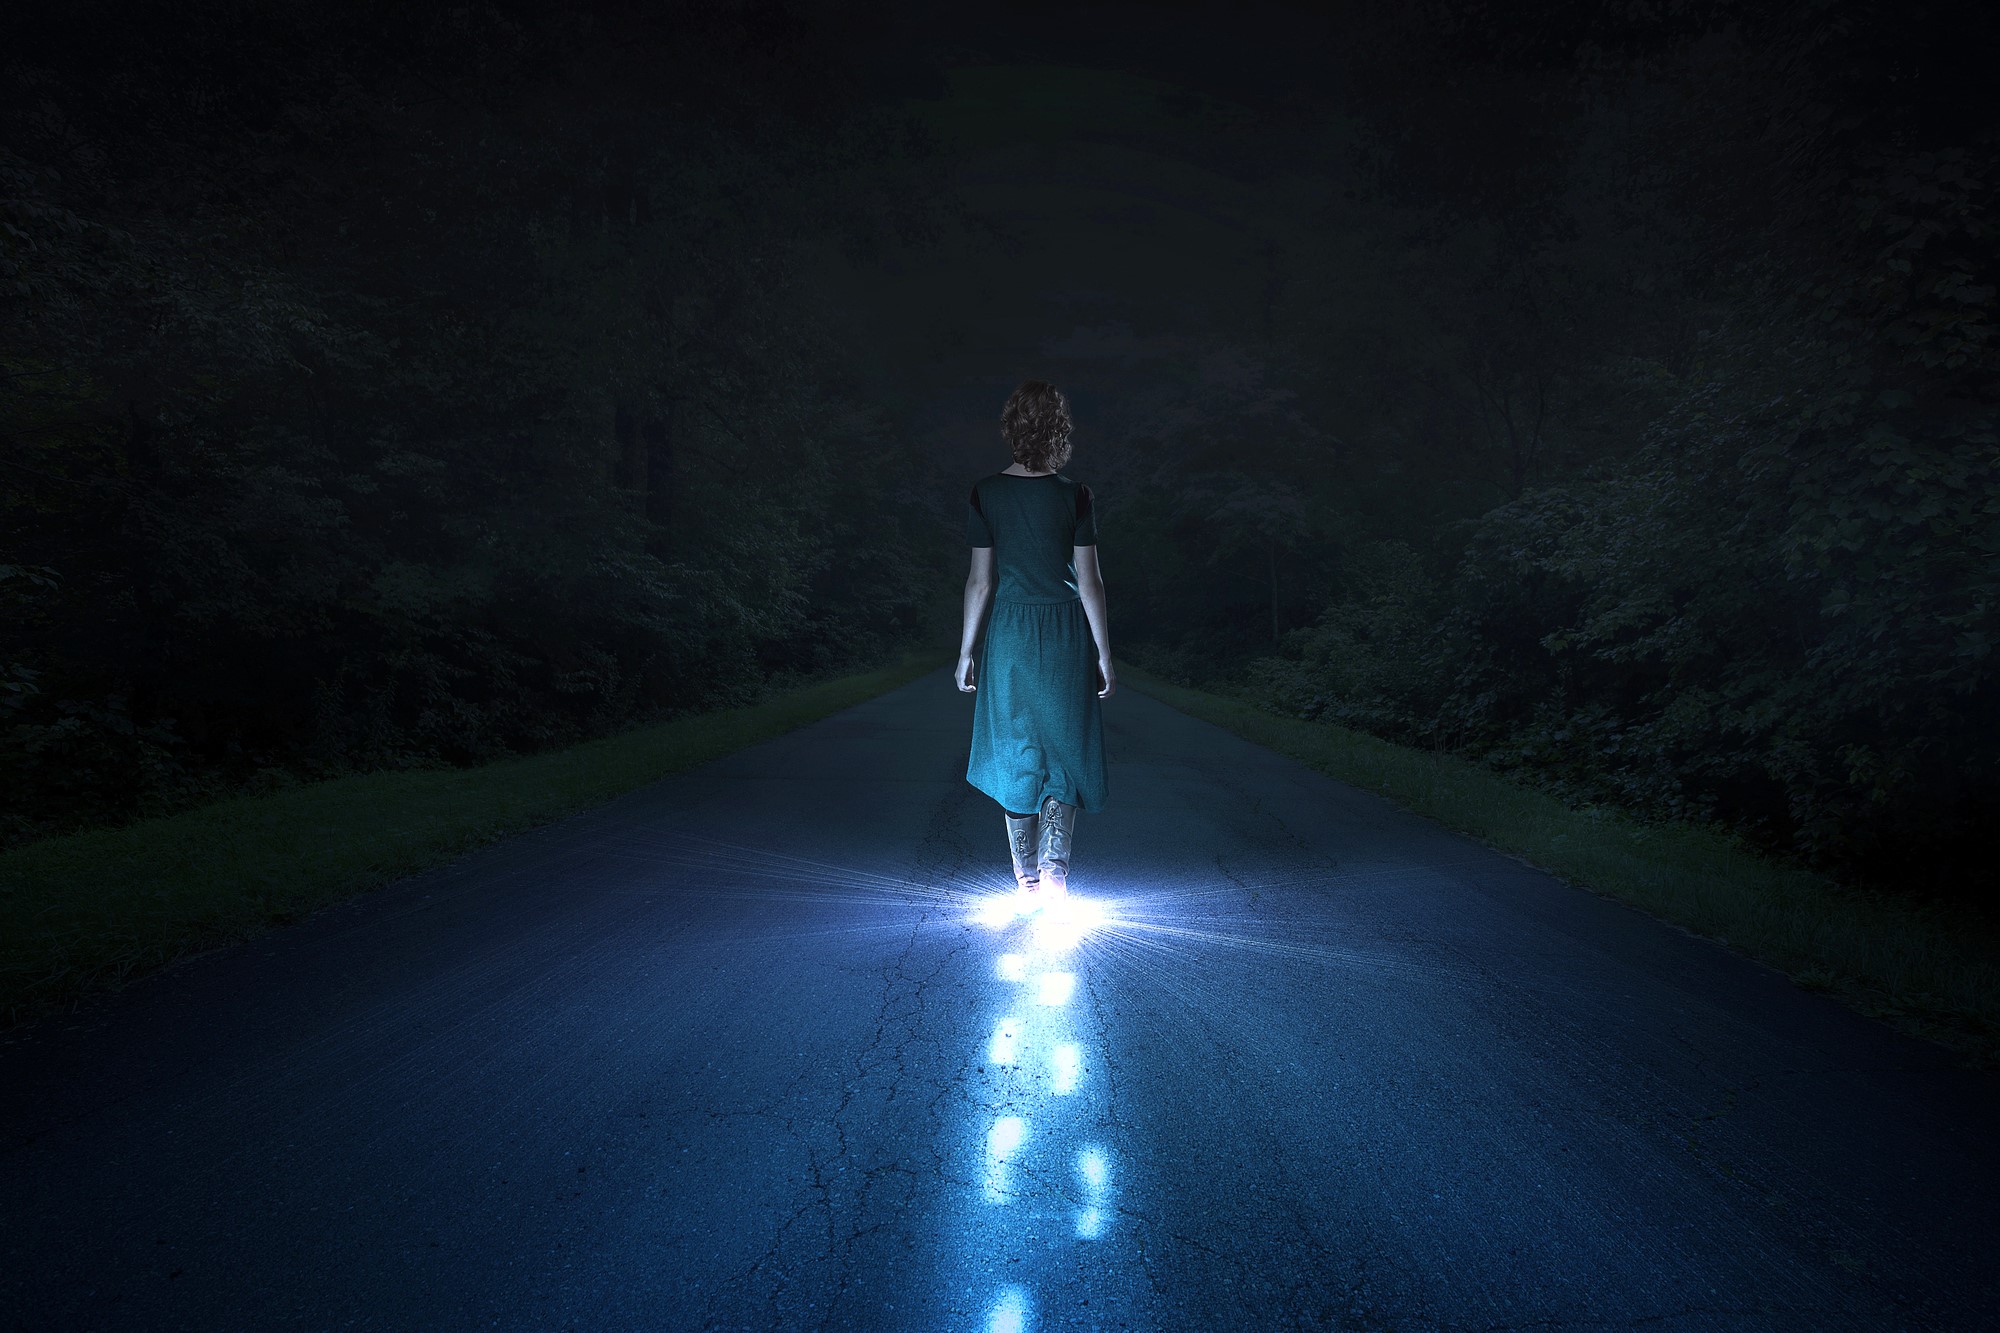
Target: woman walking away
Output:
[(1045, 659)]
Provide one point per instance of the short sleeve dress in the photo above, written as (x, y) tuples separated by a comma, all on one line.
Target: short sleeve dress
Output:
[(1037, 725)]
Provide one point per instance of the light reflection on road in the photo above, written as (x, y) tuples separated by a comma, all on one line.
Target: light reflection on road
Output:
[(1048, 1176), (1010, 1312)]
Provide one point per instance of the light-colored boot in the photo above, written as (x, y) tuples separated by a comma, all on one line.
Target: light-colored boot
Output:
[(1058, 822), (1024, 834)]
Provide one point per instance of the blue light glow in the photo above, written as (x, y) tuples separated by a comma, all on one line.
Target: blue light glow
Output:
[(1054, 988), (1009, 1313), (1062, 925), (1003, 1050), (1066, 1066), (1042, 945), (997, 910), (1002, 1142), (1095, 1170)]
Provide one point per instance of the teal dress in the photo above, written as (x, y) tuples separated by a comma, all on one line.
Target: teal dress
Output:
[(1037, 725)]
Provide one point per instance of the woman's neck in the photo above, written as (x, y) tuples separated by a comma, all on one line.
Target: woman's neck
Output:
[(1016, 470)]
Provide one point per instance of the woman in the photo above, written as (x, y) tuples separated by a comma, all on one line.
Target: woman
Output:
[(1045, 660)]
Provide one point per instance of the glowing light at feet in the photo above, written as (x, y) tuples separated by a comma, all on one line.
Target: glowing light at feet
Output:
[(996, 911), (1095, 1171), (1002, 1142), (1065, 921), (1002, 1050), (1013, 967), (1054, 988), (1009, 1313), (1065, 1067)]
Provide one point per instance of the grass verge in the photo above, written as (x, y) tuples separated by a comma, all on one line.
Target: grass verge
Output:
[(1909, 964), (90, 911)]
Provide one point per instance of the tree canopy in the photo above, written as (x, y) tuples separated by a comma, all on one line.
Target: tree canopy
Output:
[(387, 384)]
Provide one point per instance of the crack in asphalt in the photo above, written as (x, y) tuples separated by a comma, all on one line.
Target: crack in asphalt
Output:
[(901, 1010)]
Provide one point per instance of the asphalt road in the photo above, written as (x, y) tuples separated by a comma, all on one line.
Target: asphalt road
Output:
[(747, 1049)]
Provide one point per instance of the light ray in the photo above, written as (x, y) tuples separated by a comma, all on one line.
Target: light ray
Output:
[(995, 910), (1055, 988), (1062, 925)]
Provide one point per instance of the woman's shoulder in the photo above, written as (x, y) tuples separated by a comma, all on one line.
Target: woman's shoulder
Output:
[(985, 486)]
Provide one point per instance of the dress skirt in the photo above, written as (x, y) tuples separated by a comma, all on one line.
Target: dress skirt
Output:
[(1037, 724)]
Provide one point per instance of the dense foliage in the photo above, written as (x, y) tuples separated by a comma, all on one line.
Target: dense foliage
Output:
[(1651, 367), (1605, 389), (392, 384)]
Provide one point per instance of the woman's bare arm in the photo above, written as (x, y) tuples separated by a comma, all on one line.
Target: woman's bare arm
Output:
[(978, 600), (1090, 587)]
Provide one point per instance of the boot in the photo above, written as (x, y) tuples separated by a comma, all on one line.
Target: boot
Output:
[(1058, 821), (1023, 834)]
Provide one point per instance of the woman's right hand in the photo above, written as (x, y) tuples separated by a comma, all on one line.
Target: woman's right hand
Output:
[(965, 674), (1107, 677)]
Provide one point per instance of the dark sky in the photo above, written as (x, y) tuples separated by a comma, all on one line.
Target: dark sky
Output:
[(1122, 156)]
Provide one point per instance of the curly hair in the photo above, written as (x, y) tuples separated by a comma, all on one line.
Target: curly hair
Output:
[(1035, 422)]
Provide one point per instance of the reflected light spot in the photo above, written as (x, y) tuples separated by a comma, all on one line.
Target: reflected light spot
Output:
[(1068, 1063), (1013, 967), (1001, 1051), (1095, 1169), (1055, 987), (1001, 1143), (1006, 1135), (1009, 1313)]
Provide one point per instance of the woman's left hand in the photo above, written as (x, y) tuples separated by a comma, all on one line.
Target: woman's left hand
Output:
[(965, 674)]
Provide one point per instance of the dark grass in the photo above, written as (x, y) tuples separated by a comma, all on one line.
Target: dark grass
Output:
[(88, 912), (1918, 966)]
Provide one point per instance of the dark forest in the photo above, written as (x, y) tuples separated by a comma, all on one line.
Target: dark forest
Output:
[(391, 385)]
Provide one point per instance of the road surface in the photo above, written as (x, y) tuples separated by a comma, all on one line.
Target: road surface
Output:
[(753, 1048)]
